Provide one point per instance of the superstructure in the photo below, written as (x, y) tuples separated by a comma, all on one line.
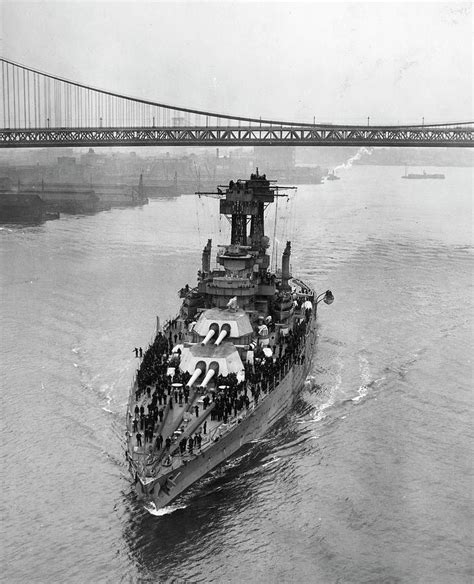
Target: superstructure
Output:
[(230, 364)]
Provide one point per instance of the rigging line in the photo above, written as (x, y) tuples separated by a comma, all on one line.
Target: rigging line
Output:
[(197, 220), (287, 220), (292, 213), (295, 214), (275, 244)]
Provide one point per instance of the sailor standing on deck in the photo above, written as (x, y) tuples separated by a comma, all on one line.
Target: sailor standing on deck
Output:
[(308, 307), (262, 331)]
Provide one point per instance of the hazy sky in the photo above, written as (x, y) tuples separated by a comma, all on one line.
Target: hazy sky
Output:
[(340, 62)]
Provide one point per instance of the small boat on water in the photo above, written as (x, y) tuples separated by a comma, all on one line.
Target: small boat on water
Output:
[(332, 176), (232, 361)]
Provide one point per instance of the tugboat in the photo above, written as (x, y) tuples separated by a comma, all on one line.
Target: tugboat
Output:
[(230, 364), (332, 176)]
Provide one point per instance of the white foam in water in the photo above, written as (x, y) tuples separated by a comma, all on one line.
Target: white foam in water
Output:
[(151, 508), (275, 459), (320, 413), (310, 382), (367, 382), (365, 375), (362, 393), (109, 401)]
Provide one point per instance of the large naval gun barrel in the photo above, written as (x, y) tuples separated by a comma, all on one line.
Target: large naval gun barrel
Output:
[(200, 368), (213, 370), (213, 330), (225, 332)]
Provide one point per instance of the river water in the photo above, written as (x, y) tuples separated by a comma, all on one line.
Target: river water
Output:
[(368, 479)]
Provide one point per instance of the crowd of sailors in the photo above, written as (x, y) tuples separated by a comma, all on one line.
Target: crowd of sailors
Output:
[(159, 392)]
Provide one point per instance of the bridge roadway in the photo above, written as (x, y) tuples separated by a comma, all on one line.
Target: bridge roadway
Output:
[(250, 135)]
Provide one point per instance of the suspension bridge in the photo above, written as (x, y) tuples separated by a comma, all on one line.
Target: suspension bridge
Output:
[(43, 110)]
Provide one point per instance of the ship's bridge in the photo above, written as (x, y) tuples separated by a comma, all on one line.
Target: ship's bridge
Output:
[(236, 259)]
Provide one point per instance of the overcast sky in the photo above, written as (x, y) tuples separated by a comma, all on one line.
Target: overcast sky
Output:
[(340, 62)]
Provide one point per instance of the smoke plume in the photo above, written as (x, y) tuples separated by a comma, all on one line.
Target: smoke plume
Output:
[(357, 156)]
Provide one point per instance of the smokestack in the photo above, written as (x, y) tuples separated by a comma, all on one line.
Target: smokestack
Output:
[(285, 267)]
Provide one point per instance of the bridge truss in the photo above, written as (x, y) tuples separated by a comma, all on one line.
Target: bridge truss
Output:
[(42, 110)]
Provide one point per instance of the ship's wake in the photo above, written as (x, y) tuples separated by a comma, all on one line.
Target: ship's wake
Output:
[(366, 378), (335, 394), (152, 510)]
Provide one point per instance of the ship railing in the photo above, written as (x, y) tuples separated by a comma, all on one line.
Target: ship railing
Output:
[(131, 394), (222, 429), (167, 464), (225, 427)]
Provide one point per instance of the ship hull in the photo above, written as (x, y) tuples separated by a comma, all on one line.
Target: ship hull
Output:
[(423, 176), (255, 424)]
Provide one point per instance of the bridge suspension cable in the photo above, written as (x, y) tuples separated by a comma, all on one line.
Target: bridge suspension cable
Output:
[(35, 99)]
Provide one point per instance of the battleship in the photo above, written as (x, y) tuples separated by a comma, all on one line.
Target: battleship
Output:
[(230, 364)]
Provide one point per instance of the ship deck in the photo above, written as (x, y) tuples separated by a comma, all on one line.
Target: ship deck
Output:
[(186, 418)]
